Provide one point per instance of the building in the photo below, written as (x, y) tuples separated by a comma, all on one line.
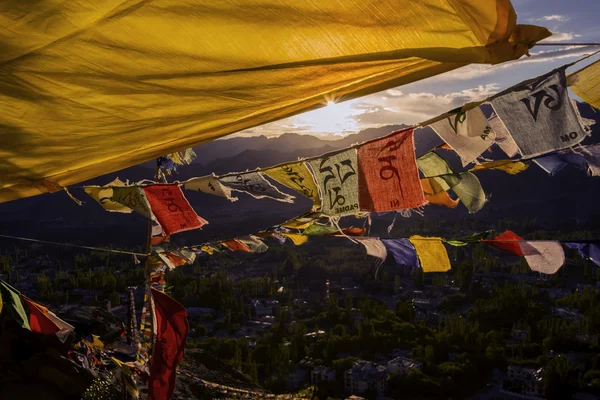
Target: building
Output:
[(366, 375), (322, 374), (264, 307), (403, 365), (525, 383)]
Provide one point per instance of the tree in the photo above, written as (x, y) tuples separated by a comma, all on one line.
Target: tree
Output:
[(418, 278), (115, 299)]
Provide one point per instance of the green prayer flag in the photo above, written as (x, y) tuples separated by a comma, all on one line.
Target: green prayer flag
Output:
[(474, 238), (319, 230), (465, 185), (12, 300)]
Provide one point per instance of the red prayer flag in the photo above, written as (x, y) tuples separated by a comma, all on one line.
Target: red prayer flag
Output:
[(171, 334), (236, 245), (171, 209), (388, 176), (39, 321), (508, 241)]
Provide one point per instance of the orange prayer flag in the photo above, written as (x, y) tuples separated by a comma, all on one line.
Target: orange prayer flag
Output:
[(388, 174), (435, 194), (172, 210), (235, 245), (39, 321)]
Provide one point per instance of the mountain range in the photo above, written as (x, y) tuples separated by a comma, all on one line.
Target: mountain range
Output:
[(567, 198)]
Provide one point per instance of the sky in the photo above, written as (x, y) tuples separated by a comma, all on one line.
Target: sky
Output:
[(570, 21)]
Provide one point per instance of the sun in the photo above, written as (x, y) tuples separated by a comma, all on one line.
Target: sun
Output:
[(333, 119)]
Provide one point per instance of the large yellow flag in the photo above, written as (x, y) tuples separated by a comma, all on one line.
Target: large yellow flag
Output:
[(296, 176), (586, 83), (432, 253), (89, 87)]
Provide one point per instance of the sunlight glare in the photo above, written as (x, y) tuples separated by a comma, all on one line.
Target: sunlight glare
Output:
[(334, 118)]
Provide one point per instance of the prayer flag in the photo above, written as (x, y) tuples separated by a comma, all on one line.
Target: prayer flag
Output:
[(209, 184), (465, 185), (317, 229), (255, 184), (432, 253), (474, 238), (507, 241), (11, 300), (503, 138), (586, 83), (253, 244), (236, 245), (539, 114), (587, 250), (103, 196), (435, 194), (586, 158), (338, 182), (132, 197), (374, 247), (543, 256), (171, 208), (388, 175), (508, 166), (296, 238), (468, 133), (171, 335), (403, 251), (39, 321), (296, 176)]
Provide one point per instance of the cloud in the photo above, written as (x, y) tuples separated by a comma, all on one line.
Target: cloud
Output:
[(383, 108), (554, 17), (561, 37)]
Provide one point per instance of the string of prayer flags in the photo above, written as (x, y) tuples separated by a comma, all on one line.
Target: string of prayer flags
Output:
[(171, 335), (39, 321), (337, 179), (374, 247), (435, 193), (254, 244), (432, 253), (503, 138), (468, 133), (543, 255), (134, 198), (403, 251), (388, 177), (172, 210), (474, 238), (297, 239), (209, 184), (586, 158), (586, 83), (254, 184), (507, 241), (587, 250), (236, 245), (11, 300), (508, 166), (103, 195), (539, 114), (296, 176)]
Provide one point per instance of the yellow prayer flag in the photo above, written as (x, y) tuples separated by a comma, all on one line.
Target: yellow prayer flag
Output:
[(296, 176), (508, 166), (103, 196), (586, 83), (432, 253), (208, 250), (296, 238), (91, 87)]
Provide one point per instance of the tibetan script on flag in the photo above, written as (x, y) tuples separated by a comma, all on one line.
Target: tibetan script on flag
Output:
[(296, 176), (539, 114), (255, 184), (337, 178), (172, 210), (388, 174)]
